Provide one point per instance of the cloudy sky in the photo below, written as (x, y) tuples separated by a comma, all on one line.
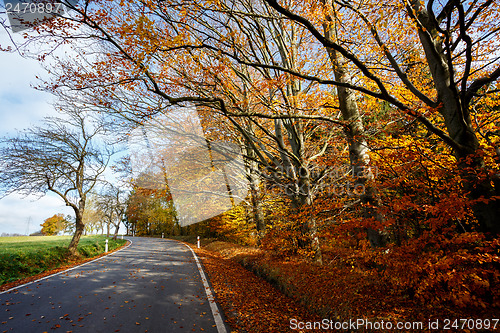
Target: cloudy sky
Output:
[(21, 106)]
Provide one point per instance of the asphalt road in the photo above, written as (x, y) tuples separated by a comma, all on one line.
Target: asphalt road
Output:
[(154, 285)]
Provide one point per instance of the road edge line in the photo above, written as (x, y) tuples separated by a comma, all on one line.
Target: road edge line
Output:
[(61, 272), (221, 327)]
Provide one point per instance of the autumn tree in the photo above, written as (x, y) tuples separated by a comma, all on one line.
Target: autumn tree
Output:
[(282, 147), (456, 42), (53, 225), (249, 63), (63, 156), (150, 212), (360, 161)]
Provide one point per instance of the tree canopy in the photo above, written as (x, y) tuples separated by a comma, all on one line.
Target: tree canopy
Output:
[(54, 224), (368, 130)]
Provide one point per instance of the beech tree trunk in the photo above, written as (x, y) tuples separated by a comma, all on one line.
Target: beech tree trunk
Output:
[(296, 168), (455, 109), (310, 226), (355, 134), (258, 212), (253, 179)]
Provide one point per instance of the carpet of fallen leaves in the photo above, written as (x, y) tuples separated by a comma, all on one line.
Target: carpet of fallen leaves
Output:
[(250, 303), (254, 304)]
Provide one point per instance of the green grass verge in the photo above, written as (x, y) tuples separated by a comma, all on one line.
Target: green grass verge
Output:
[(22, 257)]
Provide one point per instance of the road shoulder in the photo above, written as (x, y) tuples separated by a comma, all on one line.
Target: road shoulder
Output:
[(59, 270), (249, 303)]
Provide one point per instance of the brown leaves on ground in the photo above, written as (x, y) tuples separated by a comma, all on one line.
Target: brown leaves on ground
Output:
[(335, 292), (250, 303)]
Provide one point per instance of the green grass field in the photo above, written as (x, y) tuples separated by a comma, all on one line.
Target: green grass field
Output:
[(21, 257)]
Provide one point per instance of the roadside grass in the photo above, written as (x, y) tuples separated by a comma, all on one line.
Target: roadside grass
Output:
[(23, 257)]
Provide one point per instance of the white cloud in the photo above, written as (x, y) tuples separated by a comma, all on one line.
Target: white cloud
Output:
[(15, 212), (20, 104), (20, 107)]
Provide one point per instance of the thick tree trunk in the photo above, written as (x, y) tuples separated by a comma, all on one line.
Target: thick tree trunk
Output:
[(311, 230), (355, 134), (253, 177), (79, 229), (303, 200), (117, 227), (455, 110), (258, 212)]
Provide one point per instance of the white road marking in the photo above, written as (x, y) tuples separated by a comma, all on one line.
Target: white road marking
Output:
[(221, 328), (62, 272)]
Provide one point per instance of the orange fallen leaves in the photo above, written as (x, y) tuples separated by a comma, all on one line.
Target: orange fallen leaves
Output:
[(339, 291), (242, 295)]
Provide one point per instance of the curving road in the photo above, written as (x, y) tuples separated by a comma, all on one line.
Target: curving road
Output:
[(154, 285)]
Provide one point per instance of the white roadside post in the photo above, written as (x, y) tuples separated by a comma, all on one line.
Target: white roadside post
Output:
[(198, 243), (106, 247), (162, 235)]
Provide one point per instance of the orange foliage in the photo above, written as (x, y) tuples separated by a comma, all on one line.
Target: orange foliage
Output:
[(435, 253)]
